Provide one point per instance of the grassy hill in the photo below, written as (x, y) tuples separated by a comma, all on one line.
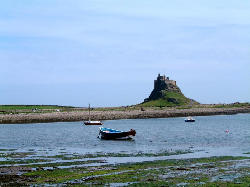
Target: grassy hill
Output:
[(169, 99)]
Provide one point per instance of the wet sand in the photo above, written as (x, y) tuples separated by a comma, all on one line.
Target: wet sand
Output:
[(113, 115)]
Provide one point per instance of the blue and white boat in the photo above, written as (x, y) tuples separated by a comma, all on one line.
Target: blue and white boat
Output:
[(112, 134)]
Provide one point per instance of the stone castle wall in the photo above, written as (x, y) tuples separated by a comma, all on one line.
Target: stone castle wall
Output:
[(161, 80)]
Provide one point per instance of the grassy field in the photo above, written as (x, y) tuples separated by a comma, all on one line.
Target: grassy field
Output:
[(7, 109), (232, 105), (30, 107)]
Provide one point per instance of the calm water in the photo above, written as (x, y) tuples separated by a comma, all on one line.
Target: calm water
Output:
[(208, 134)]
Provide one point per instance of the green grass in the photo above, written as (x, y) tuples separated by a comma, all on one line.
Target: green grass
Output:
[(231, 105), (30, 107), (170, 99), (15, 109)]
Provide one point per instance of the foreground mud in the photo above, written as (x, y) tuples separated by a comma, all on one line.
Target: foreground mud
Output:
[(116, 114), (28, 169)]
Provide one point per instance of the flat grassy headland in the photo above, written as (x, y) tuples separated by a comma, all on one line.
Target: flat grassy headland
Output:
[(13, 109), (94, 170)]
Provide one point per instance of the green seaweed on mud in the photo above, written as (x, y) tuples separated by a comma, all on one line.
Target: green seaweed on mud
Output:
[(239, 182), (63, 175), (3, 150), (78, 156), (74, 163), (246, 153), (21, 161), (172, 172), (54, 176), (15, 154)]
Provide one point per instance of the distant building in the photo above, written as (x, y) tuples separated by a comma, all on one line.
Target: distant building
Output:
[(162, 83)]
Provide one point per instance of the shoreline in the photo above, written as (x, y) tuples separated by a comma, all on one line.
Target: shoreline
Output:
[(115, 115)]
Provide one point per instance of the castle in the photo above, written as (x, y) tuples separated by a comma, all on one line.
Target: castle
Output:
[(162, 83), (167, 93)]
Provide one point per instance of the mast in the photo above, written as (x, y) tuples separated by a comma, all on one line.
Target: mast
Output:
[(89, 112)]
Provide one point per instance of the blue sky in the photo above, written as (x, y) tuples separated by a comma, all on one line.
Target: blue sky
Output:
[(108, 53)]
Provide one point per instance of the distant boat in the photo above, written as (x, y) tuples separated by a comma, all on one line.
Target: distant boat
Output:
[(112, 134), (89, 122), (92, 122), (189, 119)]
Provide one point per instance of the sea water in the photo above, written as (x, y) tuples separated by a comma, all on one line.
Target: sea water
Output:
[(212, 135)]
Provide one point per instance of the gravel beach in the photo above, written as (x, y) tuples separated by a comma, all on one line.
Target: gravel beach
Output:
[(112, 115)]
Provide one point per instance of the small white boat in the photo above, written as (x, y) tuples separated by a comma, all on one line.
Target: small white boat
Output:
[(189, 119), (92, 122), (89, 122)]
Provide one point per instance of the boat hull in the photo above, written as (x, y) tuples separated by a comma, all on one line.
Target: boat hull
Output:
[(92, 123), (111, 134), (189, 120), (114, 136)]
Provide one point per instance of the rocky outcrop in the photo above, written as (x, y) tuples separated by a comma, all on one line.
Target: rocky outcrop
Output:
[(168, 91)]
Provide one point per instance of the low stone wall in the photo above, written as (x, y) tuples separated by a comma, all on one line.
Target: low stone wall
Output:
[(112, 115)]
